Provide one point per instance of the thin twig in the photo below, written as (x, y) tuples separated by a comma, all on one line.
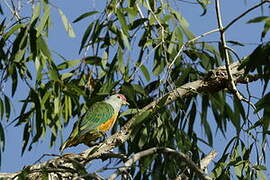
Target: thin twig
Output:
[(154, 150), (226, 53), (236, 55), (154, 15), (143, 61), (13, 11), (140, 12), (244, 13), (184, 46), (44, 155)]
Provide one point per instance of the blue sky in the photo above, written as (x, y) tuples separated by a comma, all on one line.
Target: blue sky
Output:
[(69, 47)]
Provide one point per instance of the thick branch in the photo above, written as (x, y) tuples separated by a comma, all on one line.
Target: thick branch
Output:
[(207, 160)]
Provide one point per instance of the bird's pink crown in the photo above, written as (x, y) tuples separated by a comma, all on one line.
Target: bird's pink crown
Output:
[(122, 97)]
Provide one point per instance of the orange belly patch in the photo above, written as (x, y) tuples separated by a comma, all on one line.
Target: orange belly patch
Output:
[(108, 124)]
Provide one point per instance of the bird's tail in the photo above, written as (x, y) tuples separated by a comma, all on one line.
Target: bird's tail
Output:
[(68, 143), (87, 139)]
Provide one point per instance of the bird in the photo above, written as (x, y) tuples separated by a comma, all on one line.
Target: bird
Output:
[(97, 120)]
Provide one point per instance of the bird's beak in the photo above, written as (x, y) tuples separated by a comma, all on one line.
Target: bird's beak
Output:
[(126, 103)]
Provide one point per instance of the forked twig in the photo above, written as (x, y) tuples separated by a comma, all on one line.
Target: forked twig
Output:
[(154, 150), (226, 53)]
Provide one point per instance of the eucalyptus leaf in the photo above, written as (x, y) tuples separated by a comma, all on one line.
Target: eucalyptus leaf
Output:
[(67, 24)]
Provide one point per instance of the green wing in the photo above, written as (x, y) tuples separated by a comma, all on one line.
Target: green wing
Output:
[(97, 114)]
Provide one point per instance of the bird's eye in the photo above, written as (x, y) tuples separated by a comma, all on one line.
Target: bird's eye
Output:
[(118, 97)]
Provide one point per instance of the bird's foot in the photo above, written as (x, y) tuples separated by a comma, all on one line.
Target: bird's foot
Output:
[(91, 144), (104, 136)]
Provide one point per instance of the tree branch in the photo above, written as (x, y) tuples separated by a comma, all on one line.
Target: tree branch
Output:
[(226, 53), (207, 160), (245, 13), (214, 81), (154, 150)]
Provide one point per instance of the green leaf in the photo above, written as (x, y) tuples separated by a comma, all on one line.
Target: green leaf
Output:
[(263, 103), (68, 109), (2, 139), (107, 87), (57, 104), (120, 62), (66, 75), (125, 40), (44, 99), (260, 167), (96, 32), (2, 109), (26, 136), (35, 12), (132, 12), (208, 132), (13, 30), (44, 19), (54, 75), (19, 42), (7, 107), (236, 43), (122, 20), (33, 41), (258, 19), (262, 176), (145, 72), (14, 82), (266, 28), (19, 55), (39, 68), (1, 10), (93, 60), (138, 88), (86, 35), (143, 138), (68, 64), (192, 117), (159, 67), (129, 112), (238, 169), (186, 31), (265, 19), (90, 13), (137, 23), (43, 47), (142, 116), (67, 25)]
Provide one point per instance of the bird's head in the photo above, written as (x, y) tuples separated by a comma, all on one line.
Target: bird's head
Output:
[(119, 98)]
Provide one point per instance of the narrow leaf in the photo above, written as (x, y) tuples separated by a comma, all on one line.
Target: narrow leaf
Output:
[(85, 35), (90, 13), (122, 20), (68, 64), (7, 107), (145, 72), (66, 24), (44, 19)]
